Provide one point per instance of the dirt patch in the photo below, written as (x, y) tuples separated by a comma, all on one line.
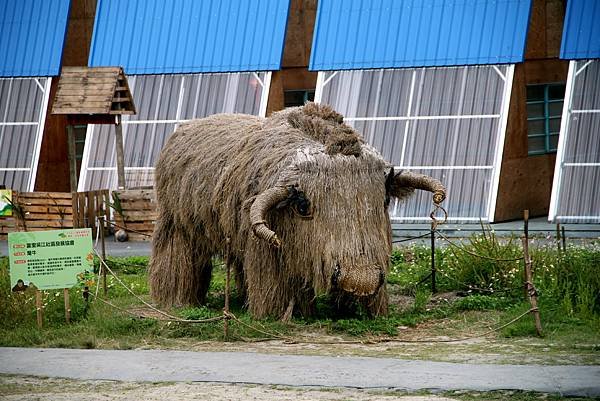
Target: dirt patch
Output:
[(32, 388), (404, 302)]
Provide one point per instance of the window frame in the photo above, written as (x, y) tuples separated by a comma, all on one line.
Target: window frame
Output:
[(547, 134)]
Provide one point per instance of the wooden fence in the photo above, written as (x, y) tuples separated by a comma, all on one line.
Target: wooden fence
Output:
[(35, 211), (138, 213)]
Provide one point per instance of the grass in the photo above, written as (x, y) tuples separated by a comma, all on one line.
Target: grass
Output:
[(482, 294), (507, 395)]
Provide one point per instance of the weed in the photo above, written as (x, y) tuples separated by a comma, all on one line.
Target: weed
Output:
[(567, 283), (482, 302)]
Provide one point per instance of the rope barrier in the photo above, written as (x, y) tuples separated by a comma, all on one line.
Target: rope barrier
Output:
[(292, 340), (227, 315), (174, 318), (125, 228), (411, 238), (286, 339), (472, 287)]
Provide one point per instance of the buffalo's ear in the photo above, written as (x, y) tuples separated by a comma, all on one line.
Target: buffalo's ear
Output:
[(389, 181), (397, 188)]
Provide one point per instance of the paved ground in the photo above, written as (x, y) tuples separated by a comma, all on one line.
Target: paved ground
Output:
[(113, 248), (295, 370), (538, 227)]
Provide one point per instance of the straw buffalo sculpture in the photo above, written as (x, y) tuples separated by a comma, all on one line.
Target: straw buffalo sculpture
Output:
[(296, 203)]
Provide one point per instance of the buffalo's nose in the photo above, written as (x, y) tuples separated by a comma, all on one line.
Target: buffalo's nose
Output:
[(358, 280)]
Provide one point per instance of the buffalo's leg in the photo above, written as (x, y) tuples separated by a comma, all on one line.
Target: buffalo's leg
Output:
[(180, 267), (240, 284), (287, 315)]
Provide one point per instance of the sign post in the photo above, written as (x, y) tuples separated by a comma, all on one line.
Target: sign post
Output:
[(50, 260), (38, 307), (67, 305), (5, 202)]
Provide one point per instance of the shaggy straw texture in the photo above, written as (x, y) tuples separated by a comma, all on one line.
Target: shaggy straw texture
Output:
[(226, 185)]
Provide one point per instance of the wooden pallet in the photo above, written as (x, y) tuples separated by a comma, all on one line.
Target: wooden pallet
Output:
[(56, 210), (88, 206), (7, 225), (139, 213)]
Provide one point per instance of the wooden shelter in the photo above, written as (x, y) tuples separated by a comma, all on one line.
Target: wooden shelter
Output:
[(94, 95)]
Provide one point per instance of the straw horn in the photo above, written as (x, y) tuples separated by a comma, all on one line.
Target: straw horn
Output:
[(423, 182), (261, 205)]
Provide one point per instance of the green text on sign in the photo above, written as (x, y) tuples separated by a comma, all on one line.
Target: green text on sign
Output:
[(49, 259)]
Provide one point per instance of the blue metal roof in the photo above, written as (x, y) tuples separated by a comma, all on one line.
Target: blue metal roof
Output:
[(581, 34), (414, 33), (185, 36), (32, 35)]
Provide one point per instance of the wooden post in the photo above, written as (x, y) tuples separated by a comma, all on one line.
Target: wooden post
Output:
[(564, 238), (558, 237), (67, 305), (226, 320), (227, 285), (433, 270), (91, 216), (102, 268), (72, 157), (38, 307), (81, 209), (75, 206), (526, 234), (531, 289), (86, 299), (120, 154)]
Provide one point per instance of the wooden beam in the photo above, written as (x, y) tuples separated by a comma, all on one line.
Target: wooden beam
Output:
[(72, 157), (120, 154), (79, 119)]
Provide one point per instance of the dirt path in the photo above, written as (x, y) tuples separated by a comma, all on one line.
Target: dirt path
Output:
[(296, 370), (13, 388)]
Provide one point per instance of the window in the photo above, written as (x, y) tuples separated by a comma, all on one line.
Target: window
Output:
[(294, 98), (446, 122), (79, 131), (23, 104), (575, 190), (544, 110)]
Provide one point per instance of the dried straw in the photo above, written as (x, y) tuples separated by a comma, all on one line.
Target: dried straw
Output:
[(211, 180)]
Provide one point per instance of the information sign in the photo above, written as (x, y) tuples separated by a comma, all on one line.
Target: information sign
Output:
[(49, 259)]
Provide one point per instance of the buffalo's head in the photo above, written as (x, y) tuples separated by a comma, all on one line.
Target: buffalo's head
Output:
[(327, 216)]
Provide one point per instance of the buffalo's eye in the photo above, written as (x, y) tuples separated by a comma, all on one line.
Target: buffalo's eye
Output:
[(303, 207), (298, 201)]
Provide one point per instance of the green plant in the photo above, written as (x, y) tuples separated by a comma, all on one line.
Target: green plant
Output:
[(18, 211), (116, 204), (422, 298), (570, 278), (498, 270), (482, 302), (568, 286)]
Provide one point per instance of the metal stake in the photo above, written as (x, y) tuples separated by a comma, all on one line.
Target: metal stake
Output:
[(433, 270)]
